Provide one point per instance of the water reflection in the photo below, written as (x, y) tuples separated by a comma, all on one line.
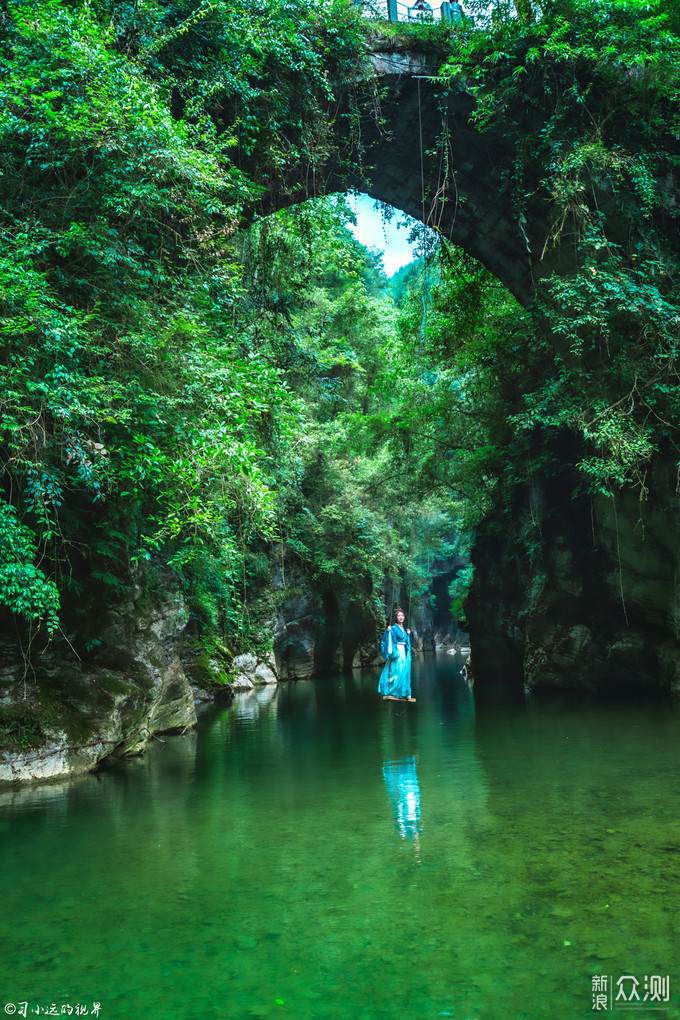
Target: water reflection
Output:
[(401, 780), (546, 848), (253, 704)]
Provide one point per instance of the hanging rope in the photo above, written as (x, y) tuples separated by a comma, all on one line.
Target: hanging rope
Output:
[(422, 162), (425, 291), (425, 297)]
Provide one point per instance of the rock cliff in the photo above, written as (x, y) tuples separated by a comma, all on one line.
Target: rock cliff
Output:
[(318, 633), (579, 593), (64, 715)]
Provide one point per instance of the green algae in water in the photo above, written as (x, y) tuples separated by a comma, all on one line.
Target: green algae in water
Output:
[(265, 866)]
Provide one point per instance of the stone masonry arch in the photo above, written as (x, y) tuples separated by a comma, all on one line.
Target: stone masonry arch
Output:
[(608, 610), (460, 181)]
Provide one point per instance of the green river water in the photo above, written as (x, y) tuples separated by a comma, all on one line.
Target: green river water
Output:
[(314, 852)]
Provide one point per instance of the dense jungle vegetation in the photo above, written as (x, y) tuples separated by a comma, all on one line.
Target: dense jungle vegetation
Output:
[(189, 387), (177, 392)]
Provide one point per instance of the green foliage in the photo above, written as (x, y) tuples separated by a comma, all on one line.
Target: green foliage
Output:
[(349, 508), (458, 590), (23, 586), (179, 392), (173, 389), (20, 727), (587, 95), (141, 418)]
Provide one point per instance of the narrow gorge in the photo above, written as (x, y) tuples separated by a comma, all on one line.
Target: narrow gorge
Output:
[(231, 445)]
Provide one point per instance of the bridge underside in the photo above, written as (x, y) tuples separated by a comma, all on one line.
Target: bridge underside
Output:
[(427, 159), (417, 149), (607, 615)]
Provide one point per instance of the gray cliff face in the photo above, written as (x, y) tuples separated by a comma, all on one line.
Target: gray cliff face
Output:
[(317, 633), (134, 683), (585, 598), (295, 634), (134, 688)]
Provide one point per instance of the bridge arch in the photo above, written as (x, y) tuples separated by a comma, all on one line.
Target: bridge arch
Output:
[(420, 151)]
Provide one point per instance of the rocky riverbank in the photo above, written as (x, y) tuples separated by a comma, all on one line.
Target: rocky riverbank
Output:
[(579, 594), (63, 715)]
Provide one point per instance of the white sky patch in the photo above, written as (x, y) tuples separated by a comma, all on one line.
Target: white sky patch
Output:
[(373, 232)]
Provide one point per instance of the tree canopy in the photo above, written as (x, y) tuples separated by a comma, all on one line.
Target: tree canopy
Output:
[(181, 391)]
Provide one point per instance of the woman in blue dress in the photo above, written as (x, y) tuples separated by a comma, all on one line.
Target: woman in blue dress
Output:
[(395, 646)]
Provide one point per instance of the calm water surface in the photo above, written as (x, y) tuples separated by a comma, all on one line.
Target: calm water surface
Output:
[(313, 852)]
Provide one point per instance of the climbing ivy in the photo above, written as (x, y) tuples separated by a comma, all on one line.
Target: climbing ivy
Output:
[(587, 95), (141, 419), (179, 392)]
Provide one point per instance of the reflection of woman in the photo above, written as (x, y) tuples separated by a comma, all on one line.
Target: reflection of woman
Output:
[(395, 646), (401, 781)]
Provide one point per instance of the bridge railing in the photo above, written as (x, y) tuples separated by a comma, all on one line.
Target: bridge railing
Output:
[(395, 10)]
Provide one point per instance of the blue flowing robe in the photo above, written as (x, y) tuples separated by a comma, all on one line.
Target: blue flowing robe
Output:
[(395, 678)]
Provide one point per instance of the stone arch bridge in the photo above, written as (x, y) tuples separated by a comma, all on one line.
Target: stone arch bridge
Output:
[(608, 613), (421, 152)]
